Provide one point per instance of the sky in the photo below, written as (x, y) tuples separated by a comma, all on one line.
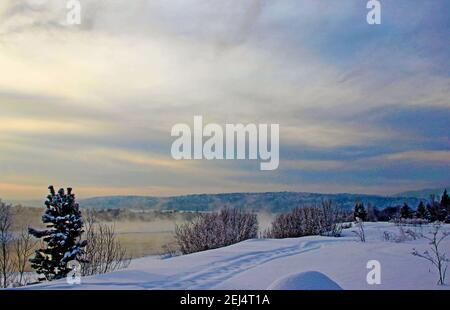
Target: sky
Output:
[(361, 108)]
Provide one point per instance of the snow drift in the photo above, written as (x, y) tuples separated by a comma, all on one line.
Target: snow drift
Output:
[(310, 280)]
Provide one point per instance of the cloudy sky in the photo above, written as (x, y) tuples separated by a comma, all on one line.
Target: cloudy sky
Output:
[(361, 108)]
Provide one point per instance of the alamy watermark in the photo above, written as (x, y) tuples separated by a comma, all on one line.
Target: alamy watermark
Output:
[(240, 141), (72, 7), (374, 275), (74, 275), (73, 14), (374, 15)]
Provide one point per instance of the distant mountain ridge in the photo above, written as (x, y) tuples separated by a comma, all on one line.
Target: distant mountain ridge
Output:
[(268, 201), (423, 193)]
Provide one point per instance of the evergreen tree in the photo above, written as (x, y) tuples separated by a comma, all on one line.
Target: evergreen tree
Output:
[(421, 211), (405, 211), (62, 236), (359, 212), (445, 207), (445, 200), (435, 210)]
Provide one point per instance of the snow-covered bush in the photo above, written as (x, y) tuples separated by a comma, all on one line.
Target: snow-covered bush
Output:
[(62, 238), (215, 230), (308, 220)]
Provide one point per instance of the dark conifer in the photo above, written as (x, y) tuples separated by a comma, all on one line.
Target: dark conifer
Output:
[(62, 236)]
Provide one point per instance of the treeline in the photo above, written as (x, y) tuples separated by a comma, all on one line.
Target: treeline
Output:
[(431, 211)]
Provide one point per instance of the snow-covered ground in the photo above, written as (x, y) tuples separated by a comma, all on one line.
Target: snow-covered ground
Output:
[(297, 263)]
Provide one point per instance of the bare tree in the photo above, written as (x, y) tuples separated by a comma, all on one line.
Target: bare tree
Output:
[(360, 230), (23, 248), (103, 252), (6, 262), (437, 256)]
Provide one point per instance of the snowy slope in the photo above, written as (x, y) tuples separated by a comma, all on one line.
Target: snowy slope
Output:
[(305, 263)]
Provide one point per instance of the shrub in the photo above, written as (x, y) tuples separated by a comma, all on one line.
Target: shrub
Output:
[(360, 232), (402, 236), (103, 253), (215, 230), (436, 255), (308, 221)]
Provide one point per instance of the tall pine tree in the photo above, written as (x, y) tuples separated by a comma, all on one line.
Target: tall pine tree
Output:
[(405, 211), (62, 236), (445, 206), (421, 212)]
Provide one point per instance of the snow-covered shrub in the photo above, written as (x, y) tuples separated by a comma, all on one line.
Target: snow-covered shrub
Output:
[(215, 230), (308, 221), (62, 236), (436, 256), (299, 222)]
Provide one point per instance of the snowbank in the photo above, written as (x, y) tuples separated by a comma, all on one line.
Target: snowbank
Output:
[(310, 280)]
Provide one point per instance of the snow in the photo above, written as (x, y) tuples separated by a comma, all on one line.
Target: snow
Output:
[(310, 280), (296, 263)]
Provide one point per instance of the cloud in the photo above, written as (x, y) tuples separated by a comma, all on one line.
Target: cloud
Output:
[(103, 96), (437, 157)]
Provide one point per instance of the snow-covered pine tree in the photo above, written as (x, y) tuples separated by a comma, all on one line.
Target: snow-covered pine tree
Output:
[(359, 212), (62, 236)]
